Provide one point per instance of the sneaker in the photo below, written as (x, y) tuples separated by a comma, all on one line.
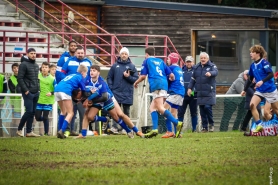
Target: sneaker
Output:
[(73, 133), (168, 135), (259, 128), (179, 127), (67, 133), (114, 131), (211, 128), (105, 124), (130, 135), (32, 134), (46, 134), (61, 135), (204, 130), (140, 134), (152, 133), (80, 137), (19, 133)]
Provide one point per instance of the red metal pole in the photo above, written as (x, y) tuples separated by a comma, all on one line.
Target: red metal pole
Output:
[(4, 50), (27, 40), (63, 22), (16, 2), (165, 49), (48, 47), (112, 49), (85, 47), (147, 41)]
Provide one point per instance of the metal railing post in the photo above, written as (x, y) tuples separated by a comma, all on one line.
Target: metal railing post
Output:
[(48, 47), (63, 22), (16, 3), (165, 49), (112, 49), (85, 46), (147, 41), (27, 40), (4, 50)]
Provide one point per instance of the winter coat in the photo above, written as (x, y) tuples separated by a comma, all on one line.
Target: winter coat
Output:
[(238, 85), (187, 74), (121, 86), (205, 86), (27, 77)]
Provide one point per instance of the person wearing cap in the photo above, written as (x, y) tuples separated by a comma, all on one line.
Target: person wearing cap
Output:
[(28, 82), (120, 80), (203, 79), (188, 100), (176, 93), (233, 104), (158, 73)]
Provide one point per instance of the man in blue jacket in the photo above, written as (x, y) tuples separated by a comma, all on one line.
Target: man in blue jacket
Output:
[(203, 78), (120, 80), (191, 99)]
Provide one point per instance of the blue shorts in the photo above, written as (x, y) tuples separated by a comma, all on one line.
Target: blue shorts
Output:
[(108, 105), (44, 107)]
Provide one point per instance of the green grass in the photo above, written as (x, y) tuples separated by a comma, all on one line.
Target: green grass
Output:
[(210, 158)]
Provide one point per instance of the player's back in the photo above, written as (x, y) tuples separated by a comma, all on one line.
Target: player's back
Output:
[(176, 86), (69, 83)]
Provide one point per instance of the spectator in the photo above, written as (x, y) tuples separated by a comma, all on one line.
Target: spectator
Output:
[(52, 70), (46, 99), (233, 104), (63, 95), (203, 79), (70, 67), (261, 70), (3, 89), (175, 91), (29, 83), (189, 100), (62, 60), (120, 80), (157, 72), (15, 100)]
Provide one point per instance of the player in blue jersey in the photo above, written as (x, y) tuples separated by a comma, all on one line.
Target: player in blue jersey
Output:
[(101, 98), (157, 72), (261, 70), (176, 93), (62, 60), (63, 95)]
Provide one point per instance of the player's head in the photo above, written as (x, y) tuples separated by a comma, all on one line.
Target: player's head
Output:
[(79, 53), (149, 52), (76, 94), (257, 52), (94, 71), (189, 62), (72, 46), (83, 70), (52, 69), (173, 58), (15, 68), (45, 68), (124, 53)]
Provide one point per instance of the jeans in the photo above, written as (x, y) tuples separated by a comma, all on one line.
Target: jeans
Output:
[(206, 115), (30, 103), (81, 111)]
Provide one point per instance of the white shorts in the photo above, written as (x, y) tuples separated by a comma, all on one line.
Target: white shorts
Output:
[(175, 99), (159, 93), (59, 96), (269, 97), (114, 99)]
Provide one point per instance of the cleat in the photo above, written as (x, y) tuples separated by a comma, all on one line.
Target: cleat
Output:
[(211, 128), (140, 134), (113, 131), (67, 133), (80, 137), (61, 135), (19, 133), (168, 135), (73, 133), (152, 133), (179, 127), (259, 128), (130, 135), (105, 124)]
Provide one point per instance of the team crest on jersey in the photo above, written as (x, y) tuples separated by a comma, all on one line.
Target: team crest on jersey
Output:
[(156, 63)]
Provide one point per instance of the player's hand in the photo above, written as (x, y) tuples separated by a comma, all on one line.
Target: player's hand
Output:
[(48, 94), (189, 91), (171, 77), (27, 92), (85, 103), (208, 74), (93, 90), (243, 93), (258, 84), (90, 103), (135, 84)]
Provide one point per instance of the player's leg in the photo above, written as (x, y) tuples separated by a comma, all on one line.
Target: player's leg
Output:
[(267, 112), (68, 108), (253, 107), (169, 132)]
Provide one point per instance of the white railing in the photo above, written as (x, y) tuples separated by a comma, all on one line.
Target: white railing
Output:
[(7, 117)]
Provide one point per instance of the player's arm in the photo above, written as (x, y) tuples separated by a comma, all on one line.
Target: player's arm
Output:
[(64, 69), (143, 75), (140, 79)]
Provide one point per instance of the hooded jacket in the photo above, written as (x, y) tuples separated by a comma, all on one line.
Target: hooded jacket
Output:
[(238, 85), (121, 86)]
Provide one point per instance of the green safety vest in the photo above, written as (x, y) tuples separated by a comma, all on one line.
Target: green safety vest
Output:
[(1, 82), (15, 100)]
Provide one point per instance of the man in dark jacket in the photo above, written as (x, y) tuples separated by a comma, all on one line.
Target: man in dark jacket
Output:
[(120, 79), (203, 79), (188, 100), (28, 81)]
